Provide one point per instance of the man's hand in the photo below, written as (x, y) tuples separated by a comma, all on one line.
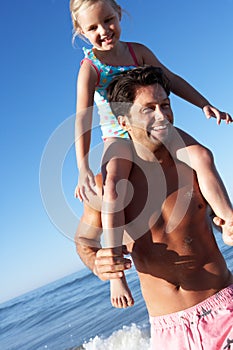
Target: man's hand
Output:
[(109, 266), (226, 228)]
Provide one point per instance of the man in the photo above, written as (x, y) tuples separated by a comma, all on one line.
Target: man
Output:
[(184, 279)]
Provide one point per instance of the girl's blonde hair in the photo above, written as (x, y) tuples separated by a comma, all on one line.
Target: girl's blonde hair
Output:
[(75, 6)]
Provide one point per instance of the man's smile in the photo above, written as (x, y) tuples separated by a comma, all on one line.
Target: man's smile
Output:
[(159, 127)]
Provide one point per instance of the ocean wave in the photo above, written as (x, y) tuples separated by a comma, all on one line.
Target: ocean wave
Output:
[(76, 280), (131, 337)]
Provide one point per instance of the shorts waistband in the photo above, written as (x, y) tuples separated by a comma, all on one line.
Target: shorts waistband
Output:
[(216, 301)]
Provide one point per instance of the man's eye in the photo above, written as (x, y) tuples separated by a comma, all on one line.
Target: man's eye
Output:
[(147, 110)]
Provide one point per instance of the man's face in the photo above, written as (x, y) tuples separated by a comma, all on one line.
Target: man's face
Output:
[(151, 117)]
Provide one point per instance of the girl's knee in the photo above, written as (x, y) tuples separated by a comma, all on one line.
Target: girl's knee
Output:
[(201, 157), (206, 155)]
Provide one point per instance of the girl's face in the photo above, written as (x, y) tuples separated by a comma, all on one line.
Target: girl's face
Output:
[(100, 24)]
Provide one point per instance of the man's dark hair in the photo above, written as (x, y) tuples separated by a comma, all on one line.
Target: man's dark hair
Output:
[(122, 89)]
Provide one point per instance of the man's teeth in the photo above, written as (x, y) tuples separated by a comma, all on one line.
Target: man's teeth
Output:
[(160, 127)]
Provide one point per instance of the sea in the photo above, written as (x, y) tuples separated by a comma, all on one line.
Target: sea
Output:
[(75, 313)]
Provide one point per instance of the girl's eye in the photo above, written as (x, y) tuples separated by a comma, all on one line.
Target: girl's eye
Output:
[(109, 19), (92, 28)]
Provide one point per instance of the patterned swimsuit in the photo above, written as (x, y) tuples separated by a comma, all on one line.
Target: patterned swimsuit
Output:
[(108, 122)]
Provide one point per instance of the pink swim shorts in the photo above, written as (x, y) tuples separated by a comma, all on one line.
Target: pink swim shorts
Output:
[(205, 326)]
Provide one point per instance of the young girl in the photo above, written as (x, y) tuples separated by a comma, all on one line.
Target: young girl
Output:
[(98, 21)]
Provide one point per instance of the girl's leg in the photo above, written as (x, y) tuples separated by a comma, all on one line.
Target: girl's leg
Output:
[(116, 166), (188, 150)]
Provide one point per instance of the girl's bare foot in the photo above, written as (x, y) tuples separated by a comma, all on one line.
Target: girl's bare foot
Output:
[(227, 233), (121, 296), (227, 230)]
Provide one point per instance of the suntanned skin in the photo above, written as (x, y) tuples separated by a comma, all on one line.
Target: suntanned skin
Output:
[(178, 269), (178, 261)]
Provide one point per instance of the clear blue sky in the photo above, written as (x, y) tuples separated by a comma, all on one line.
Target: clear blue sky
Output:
[(39, 66)]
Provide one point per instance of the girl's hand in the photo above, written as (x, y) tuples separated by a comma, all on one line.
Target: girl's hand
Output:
[(86, 182), (212, 112)]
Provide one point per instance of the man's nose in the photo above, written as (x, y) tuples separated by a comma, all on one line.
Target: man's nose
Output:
[(160, 115)]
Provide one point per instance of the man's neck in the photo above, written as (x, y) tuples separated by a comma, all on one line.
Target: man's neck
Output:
[(161, 154)]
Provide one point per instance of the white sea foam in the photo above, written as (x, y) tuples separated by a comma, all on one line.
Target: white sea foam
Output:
[(130, 338)]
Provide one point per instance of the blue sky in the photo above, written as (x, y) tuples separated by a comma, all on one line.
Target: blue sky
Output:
[(39, 66)]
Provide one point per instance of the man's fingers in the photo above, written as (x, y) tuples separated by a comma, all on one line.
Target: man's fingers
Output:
[(110, 275), (107, 272), (112, 264), (106, 252), (109, 265)]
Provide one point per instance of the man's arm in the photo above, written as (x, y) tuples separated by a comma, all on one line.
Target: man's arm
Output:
[(88, 235), (87, 255), (102, 262)]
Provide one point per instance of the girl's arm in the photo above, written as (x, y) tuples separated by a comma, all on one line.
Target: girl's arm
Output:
[(86, 82), (179, 86)]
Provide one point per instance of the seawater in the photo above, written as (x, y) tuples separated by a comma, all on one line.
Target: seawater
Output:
[(75, 313)]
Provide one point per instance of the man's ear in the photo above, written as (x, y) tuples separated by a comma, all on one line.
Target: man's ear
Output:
[(123, 120)]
